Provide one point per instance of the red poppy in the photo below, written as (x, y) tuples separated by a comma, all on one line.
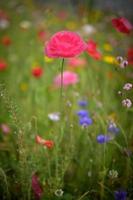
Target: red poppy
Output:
[(37, 72), (122, 25), (3, 65), (92, 50), (37, 189), (130, 56), (6, 40), (42, 35), (65, 44), (47, 143)]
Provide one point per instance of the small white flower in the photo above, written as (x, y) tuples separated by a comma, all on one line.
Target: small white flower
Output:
[(127, 103), (25, 24), (113, 174), (54, 116), (119, 92), (89, 173), (68, 103), (4, 24), (119, 59), (124, 64), (59, 193), (88, 29), (91, 160), (127, 86), (99, 104)]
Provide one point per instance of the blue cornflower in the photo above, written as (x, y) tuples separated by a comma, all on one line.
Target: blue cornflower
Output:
[(112, 128), (85, 121), (82, 103), (120, 195), (103, 138), (83, 113)]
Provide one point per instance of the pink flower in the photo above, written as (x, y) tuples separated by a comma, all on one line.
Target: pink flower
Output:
[(127, 103), (39, 140), (65, 44), (37, 189), (122, 25), (92, 50), (77, 62), (128, 86), (69, 78), (5, 128)]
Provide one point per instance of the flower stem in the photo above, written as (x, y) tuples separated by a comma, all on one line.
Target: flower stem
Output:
[(61, 91), (62, 65)]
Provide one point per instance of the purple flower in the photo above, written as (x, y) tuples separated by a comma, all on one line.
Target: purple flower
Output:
[(120, 195), (83, 113), (85, 121), (82, 103), (103, 138), (37, 189), (112, 128)]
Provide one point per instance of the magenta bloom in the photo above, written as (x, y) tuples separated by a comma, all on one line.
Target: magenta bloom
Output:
[(65, 44), (69, 78), (37, 189), (122, 25)]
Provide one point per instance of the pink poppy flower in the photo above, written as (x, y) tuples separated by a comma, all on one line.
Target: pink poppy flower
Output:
[(36, 187), (5, 128), (65, 44), (39, 140), (77, 62), (69, 78), (92, 50), (3, 65), (37, 72), (122, 25)]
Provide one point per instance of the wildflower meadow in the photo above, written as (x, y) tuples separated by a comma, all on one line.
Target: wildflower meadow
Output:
[(66, 101)]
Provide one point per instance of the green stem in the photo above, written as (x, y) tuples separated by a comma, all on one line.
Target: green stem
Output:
[(84, 195), (102, 188), (62, 65), (3, 175)]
